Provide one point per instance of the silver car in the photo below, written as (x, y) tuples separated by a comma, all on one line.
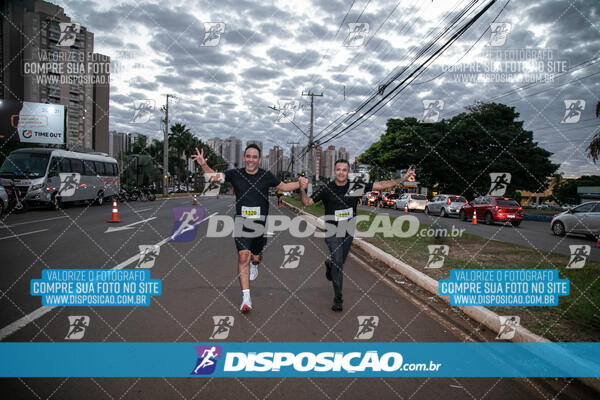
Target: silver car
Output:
[(445, 205), (414, 201), (583, 219), (3, 201)]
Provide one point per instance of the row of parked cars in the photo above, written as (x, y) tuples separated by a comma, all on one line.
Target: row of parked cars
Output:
[(582, 219)]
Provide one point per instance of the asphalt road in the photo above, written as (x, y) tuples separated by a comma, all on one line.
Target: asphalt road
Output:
[(534, 234), (199, 280)]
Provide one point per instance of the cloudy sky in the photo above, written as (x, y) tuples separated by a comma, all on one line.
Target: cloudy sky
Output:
[(273, 51)]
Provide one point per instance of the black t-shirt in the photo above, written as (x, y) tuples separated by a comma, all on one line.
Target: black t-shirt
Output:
[(251, 191), (334, 199)]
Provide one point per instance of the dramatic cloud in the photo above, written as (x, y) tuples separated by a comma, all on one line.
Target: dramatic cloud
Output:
[(272, 51)]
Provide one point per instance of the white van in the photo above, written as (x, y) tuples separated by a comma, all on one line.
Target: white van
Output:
[(52, 176)]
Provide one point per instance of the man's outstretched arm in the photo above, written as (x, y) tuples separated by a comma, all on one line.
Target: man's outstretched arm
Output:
[(410, 174), (306, 201), (288, 187)]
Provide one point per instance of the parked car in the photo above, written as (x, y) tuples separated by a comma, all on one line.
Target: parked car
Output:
[(389, 200), (372, 198), (492, 209), (3, 201), (413, 200), (583, 219), (445, 205)]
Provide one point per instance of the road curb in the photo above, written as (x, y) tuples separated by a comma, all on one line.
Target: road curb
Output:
[(480, 314)]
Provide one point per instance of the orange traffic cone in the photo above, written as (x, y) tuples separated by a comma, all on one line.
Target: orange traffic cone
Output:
[(195, 201), (115, 213), (474, 222), (405, 207)]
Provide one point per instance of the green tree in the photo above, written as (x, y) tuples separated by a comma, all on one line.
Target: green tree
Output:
[(566, 190), (460, 153)]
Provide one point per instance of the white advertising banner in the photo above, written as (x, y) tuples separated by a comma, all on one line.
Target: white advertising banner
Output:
[(40, 123)]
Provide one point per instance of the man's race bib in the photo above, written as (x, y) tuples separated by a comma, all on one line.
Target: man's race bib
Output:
[(250, 212), (341, 215)]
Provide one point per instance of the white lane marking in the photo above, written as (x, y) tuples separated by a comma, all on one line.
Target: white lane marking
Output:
[(4, 226), (128, 226), (23, 234), (25, 320), (143, 209)]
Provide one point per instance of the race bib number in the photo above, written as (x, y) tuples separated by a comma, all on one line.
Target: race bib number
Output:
[(344, 214), (250, 212)]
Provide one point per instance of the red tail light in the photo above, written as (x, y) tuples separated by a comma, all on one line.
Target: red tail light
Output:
[(448, 201)]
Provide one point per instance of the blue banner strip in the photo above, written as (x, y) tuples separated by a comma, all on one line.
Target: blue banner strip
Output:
[(296, 359)]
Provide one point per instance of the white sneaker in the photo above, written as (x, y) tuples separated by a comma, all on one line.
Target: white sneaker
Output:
[(253, 271), (246, 305)]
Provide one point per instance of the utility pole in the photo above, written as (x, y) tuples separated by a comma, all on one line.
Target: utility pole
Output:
[(166, 151), (311, 158), (292, 157)]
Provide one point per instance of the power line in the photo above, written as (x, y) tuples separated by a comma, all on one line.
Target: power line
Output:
[(414, 74), (413, 59)]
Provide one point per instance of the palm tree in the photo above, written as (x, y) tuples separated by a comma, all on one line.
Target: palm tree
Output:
[(594, 146)]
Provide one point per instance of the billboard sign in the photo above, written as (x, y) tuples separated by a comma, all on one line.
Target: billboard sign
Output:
[(33, 122)]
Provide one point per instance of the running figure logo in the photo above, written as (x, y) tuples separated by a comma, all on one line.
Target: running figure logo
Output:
[(143, 110), (366, 326), (68, 34), (69, 182), (499, 33), (187, 219), (357, 34), (207, 359), (291, 258), (223, 324), (500, 181), (432, 110), (573, 111), (212, 187), (212, 33), (579, 254), (437, 254), (148, 255), (508, 327), (287, 111), (77, 326), (357, 184)]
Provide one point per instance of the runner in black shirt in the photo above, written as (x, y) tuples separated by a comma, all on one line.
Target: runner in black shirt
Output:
[(251, 187), (342, 208)]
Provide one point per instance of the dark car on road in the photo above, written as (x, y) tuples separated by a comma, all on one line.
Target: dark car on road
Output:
[(492, 209)]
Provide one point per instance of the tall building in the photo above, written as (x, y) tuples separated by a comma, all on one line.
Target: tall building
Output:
[(318, 161), (285, 164), (328, 161), (43, 64), (232, 152), (343, 154), (117, 143), (216, 145), (264, 164), (276, 160)]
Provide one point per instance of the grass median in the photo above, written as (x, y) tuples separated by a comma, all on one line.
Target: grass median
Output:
[(577, 316)]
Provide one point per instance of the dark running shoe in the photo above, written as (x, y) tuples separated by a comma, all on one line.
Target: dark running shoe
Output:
[(337, 307)]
